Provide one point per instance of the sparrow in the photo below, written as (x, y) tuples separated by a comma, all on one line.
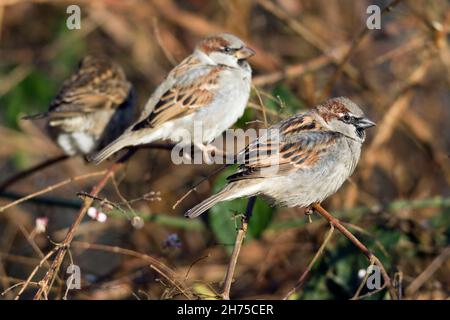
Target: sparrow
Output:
[(299, 161), (92, 108), (209, 88)]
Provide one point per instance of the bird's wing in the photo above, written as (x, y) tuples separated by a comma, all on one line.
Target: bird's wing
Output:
[(193, 86), (97, 85), (295, 144)]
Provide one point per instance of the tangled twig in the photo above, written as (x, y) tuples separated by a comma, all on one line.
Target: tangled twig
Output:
[(63, 247), (155, 264)]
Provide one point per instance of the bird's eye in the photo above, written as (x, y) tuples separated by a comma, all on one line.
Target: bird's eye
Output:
[(227, 49), (346, 118)]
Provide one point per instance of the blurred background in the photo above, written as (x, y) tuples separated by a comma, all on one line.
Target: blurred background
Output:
[(397, 202)]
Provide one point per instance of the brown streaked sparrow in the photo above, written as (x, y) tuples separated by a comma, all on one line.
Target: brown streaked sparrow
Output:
[(210, 88), (92, 108), (307, 159)]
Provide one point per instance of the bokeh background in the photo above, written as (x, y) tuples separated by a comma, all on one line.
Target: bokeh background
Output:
[(397, 202)]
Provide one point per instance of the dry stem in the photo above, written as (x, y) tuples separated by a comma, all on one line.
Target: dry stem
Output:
[(28, 172), (319, 252), (63, 247), (51, 188), (237, 248), (370, 256)]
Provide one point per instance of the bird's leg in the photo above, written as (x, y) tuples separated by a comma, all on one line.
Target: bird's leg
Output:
[(308, 212)]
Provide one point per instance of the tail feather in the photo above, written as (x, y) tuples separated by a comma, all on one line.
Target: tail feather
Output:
[(110, 149), (36, 116), (207, 204), (127, 139)]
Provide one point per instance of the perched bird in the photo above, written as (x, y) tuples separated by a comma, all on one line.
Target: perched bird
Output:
[(301, 160), (92, 108), (209, 88)]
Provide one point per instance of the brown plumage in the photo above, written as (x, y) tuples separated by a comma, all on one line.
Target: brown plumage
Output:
[(300, 161), (209, 88), (92, 107)]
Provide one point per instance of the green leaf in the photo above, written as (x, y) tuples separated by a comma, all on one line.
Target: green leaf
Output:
[(290, 103), (221, 215), (261, 218)]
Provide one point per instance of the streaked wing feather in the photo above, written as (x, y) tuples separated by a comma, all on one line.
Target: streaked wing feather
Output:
[(299, 145), (184, 97), (97, 84)]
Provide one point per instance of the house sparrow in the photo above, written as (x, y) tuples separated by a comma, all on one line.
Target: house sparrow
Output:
[(210, 88), (305, 159), (93, 107)]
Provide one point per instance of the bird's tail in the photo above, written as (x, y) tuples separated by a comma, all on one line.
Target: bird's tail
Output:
[(231, 191), (118, 144), (36, 116)]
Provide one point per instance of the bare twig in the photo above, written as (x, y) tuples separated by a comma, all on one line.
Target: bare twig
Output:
[(304, 275), (160, 41), (35, 270), (63, 247), (306, 34), (194, 188), (263, 107), (51, 188), (370, 256), (155, 264), (237, 248), (371, 293), (297, 70), (428, 272), (362, 284), (28, 172), (203, 27), (329, 85)]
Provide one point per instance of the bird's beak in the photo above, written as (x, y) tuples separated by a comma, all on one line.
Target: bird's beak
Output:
[(244, 53), (365, 123)]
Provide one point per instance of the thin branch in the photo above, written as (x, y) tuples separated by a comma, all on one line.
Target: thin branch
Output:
[(428, 272), (194, 188), (329, 85), (51, 188), (357, 296), (319, 252), (299, 69), (28, 172), (63, 247), (306, 34), (169, 56), (370, 256), (35, 270), (237, 248), (263, 107), (154, 263)]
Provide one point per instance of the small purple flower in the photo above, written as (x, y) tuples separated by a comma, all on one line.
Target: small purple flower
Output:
[(172, 241)]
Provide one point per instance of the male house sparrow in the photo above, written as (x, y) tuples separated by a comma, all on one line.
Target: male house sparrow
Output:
[(92, 108), (209, 88), (312, 155)]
